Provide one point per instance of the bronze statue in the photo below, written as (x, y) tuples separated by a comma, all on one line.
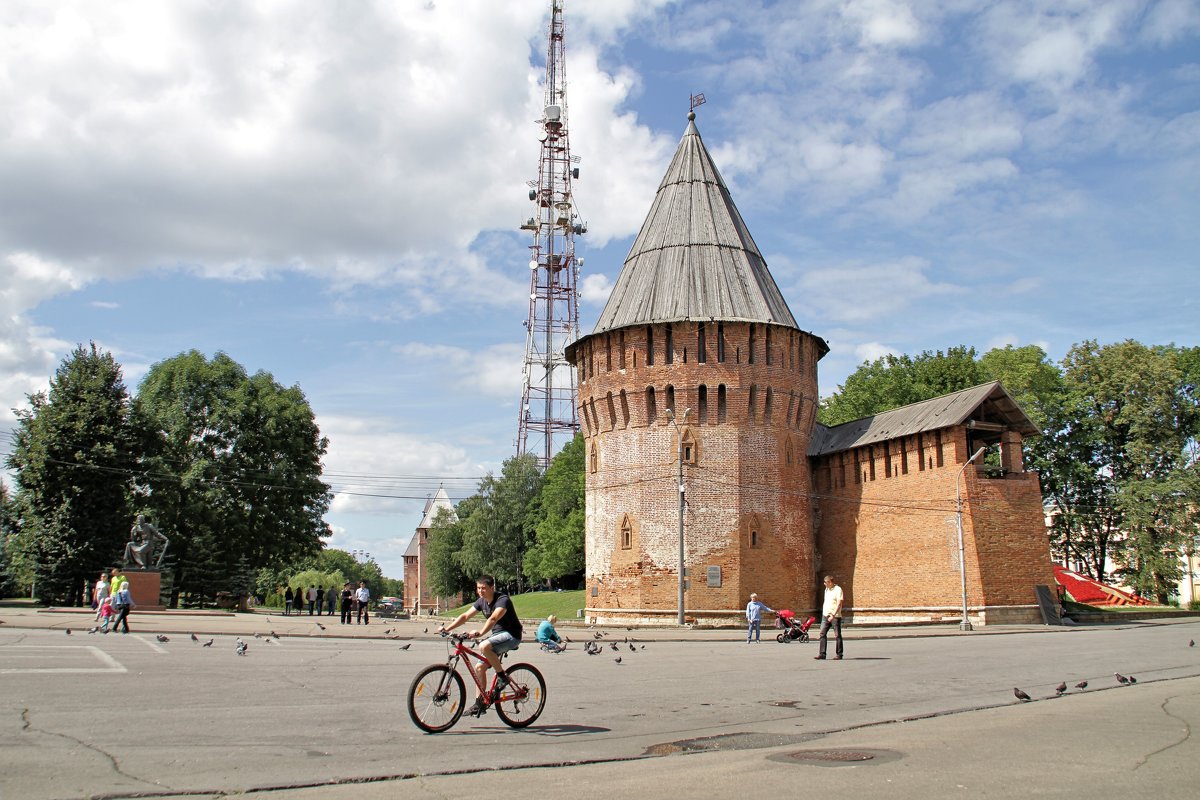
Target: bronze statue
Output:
[(139, 550)]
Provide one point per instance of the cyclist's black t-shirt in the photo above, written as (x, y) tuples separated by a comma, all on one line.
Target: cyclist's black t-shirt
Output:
[(509, 622)]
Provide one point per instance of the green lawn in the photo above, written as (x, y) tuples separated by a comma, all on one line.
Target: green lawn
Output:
[(539, 605)]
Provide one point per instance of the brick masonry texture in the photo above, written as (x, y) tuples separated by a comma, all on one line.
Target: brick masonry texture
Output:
[(880, 518)]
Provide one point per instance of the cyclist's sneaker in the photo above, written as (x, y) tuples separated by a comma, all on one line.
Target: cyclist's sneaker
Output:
[(502, 683), (477, 710)]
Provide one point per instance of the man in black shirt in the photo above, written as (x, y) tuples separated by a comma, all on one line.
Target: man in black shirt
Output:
[(502, 617)]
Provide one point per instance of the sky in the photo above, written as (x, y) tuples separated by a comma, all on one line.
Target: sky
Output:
[(332, 192)]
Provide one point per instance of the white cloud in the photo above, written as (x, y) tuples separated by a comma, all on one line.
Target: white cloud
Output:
[(595, 289), (494, 371), (872, 351), (859, 293)]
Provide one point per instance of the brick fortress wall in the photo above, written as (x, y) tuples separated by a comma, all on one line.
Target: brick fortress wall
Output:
[(886, 530), (752, 391)]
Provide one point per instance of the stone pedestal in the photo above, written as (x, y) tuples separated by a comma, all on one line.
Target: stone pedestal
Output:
[(145, 585)]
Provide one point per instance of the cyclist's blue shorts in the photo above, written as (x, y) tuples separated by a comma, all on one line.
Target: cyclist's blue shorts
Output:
[(502, 642)]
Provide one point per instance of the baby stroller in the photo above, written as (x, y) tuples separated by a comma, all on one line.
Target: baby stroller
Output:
[(792, 630)]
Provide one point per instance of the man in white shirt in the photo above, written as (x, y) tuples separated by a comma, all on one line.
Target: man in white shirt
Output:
[(364, 596), (831, 617)]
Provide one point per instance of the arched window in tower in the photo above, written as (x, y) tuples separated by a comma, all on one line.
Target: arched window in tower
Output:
[(701, 345), (624, 410), (593, 458), (649, 345), (669, 344), (702, 403), (671, 401), (651, 407), (767, 405), (752, 403), (688, 447), (751, 344), (626, 533), (721, 403), (754, 538), (720, 343)]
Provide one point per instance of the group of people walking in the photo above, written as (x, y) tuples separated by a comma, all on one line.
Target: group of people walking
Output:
[(831, 618), (112, 601), (354, 602)]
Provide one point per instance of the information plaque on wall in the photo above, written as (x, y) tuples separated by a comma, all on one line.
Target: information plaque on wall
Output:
[(714, 577)]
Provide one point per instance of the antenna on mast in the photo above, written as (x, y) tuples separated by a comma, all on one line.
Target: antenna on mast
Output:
[(548, 394)]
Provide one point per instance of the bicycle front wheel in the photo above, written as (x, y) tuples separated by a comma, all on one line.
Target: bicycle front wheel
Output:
[(435, 698), (522, 700)]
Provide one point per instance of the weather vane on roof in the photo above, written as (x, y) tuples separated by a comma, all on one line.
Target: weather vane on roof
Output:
[(696, 100)]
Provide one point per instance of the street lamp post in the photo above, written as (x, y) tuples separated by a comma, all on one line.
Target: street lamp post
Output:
[(682, 502), (965, 625)]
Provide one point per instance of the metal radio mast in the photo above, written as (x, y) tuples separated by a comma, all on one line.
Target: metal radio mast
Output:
[(548, 397)]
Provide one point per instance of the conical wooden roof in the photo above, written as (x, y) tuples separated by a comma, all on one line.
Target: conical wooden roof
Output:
[(694, 258)]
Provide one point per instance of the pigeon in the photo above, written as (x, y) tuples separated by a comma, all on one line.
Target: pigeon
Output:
[(162, 638), (208, 643), (389, 630), (1081, 685), (1121, 679), (1132, 679), (68, 631), (566, 638), (617, 659), (94, 629), (597, 635), (241, 647), (613, 645), (427, 630), (1020, 695), (643, 647), (274, 635), (319, 625), (195, 638), (257, 635), (1062, 687), (1191, 642), (406, 646), (632, 649)]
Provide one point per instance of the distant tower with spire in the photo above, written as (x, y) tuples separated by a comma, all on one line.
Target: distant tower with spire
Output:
[(547, 416), (696, 370)]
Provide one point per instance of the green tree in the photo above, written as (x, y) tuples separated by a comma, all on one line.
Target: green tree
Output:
[(1127, 451), (75, 450), (558, 518), (10, 557), (442, 563), (893, 381), (234, 475), (496, 535)]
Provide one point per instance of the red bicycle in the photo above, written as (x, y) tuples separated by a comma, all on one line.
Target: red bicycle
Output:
[(437, 695)]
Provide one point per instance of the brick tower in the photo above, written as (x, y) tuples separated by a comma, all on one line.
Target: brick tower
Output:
[(696, 368)]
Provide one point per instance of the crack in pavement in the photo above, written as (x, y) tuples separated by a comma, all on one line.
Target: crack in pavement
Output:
[(28, 727), (1187, 734)]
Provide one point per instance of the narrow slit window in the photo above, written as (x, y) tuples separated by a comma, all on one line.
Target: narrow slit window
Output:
[(669, 344), (750, 345), (701, 345), (651, 409), (671, 401), (720, 343), (649, 346), (752, 403), (702, 403), (721, 403)]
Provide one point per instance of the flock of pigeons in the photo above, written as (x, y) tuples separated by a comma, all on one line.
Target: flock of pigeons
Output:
[(1124, 680)]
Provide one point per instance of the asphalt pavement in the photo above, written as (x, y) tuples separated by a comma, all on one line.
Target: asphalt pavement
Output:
[(919, 712)]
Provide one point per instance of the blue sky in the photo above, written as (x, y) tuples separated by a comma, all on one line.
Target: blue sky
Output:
[(331, 192)]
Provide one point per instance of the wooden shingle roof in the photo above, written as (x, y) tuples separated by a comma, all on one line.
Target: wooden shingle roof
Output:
[(988, 402), (694, 258)]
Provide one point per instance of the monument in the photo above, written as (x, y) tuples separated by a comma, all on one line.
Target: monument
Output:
[(141, 569)]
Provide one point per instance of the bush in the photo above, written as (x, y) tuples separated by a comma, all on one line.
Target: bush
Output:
[(1194, 605)]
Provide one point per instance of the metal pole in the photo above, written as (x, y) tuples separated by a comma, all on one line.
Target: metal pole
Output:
[(681, 505), (965, 625)]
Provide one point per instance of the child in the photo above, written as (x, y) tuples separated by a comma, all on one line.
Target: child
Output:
[(549, 637), (106, 613)]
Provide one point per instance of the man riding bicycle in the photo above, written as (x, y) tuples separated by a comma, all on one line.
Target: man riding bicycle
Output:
[(503, 617)]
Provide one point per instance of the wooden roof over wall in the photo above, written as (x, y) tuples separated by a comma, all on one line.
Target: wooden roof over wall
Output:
[(987, 403)]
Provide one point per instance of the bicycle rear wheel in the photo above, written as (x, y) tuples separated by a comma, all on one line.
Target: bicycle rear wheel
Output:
[(435, 698), (522, 700)]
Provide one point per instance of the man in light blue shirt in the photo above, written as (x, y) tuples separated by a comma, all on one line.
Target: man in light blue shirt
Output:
[(754, 611)]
